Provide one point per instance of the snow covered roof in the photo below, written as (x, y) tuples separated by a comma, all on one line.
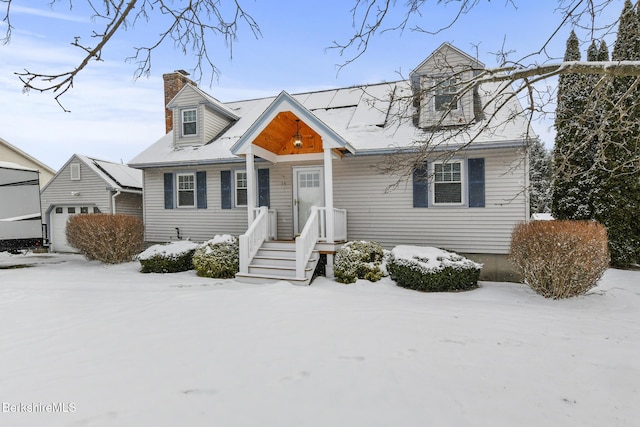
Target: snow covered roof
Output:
[(116, 175), (372, 119), (209, 100)]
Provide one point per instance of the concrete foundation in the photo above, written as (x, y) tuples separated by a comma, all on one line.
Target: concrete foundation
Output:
[(496, 268)]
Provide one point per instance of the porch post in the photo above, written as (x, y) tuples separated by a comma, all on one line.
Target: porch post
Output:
[(251, 190), (328, 193)]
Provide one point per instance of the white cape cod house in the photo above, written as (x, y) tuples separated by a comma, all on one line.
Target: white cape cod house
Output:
[(303, 169)]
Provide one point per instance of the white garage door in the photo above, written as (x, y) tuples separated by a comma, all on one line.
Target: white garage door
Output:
[(59, 217)]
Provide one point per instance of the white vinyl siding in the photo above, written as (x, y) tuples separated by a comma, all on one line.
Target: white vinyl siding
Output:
[(209, 123), (195, 224), (129, 204), (91, 192), (388, 217), (374, 213), (439, 79)]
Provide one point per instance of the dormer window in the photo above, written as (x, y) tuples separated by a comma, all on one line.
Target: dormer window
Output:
[(445, 97), (189, 122)]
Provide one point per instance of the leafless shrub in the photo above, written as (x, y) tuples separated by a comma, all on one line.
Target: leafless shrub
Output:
[(108, 238), (560, 259)]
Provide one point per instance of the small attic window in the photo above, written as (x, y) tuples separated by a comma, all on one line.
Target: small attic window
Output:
[(446, 90), (189, 122), (75, 171)]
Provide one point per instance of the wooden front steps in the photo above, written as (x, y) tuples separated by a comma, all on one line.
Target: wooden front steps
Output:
[(276, 261)]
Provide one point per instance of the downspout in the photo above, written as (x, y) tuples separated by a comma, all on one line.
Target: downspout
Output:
[(113, 201), (115, 193)]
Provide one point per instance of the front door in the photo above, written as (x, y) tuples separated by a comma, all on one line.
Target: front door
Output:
[(308, 191)]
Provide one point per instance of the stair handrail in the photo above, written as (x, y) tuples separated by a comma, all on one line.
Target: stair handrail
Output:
[(306, 242), (253, 238), (339, 224)]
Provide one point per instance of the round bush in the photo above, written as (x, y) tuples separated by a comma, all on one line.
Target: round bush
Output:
[(110, 238), (168, 258), (560, 259), (359, 260), (430, 269), (218, 258)]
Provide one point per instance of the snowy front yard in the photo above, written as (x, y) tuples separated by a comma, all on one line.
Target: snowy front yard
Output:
[(117, 347)]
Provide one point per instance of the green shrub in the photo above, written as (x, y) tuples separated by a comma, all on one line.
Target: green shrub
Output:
[(218, 258), (359, 260), (432, 270), (169, 258), (560, 259), (108, 238)]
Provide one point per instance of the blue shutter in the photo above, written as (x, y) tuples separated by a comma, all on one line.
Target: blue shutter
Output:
[(225, 189), (263, 188), (201, 189), (421, 186), (168, 191), (476, 183)]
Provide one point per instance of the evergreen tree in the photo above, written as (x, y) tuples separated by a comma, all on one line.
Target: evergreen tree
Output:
[(540, 178), (618, 204), (567, 200)]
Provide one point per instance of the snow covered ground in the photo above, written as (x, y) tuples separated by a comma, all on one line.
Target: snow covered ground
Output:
[(109, 346)]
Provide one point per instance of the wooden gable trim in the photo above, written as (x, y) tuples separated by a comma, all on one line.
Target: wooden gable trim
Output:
[(286, 103)]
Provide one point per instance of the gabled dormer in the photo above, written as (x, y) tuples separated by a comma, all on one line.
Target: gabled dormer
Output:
[(442, 95), (195, 117)]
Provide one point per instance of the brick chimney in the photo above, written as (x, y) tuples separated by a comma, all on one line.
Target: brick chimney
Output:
[(173, 82)]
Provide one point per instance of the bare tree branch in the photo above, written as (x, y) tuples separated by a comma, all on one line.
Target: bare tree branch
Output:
[(190, 28)]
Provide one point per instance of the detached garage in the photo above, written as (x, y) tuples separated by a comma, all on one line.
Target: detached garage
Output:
[(85, 185)]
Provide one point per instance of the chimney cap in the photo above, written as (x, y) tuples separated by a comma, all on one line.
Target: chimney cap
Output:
[(183, 72)]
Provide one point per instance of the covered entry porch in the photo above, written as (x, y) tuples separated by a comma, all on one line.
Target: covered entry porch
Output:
[(288, 134)]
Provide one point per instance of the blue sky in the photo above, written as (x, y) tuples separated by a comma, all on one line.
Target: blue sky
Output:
[(114, 117)]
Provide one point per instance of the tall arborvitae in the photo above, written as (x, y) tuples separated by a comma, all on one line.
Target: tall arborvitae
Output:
[(618, 205), (585, 147), (570, 132)]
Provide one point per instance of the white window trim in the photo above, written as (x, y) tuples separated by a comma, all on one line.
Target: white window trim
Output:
[(75, 171), (437, 85), (195, 190), (236, 188), (463, 185), (182, 121)]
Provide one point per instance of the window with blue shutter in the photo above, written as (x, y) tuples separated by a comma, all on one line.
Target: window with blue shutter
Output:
[(225, 189), (421, 186), (476, 183), (263, 188), (201, 189), (168, 191)]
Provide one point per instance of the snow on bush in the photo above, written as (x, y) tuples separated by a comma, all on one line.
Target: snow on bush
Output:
[(218, 258), (359, 260), (560, 259), (109, 238), (168, 258), (431, 269)]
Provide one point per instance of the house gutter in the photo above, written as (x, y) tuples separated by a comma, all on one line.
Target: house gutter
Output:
[(470, 147)]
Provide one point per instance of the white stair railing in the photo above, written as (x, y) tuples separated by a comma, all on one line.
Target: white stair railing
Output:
[(306, 241), (273, 222), (253, 238), (339, 224)]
